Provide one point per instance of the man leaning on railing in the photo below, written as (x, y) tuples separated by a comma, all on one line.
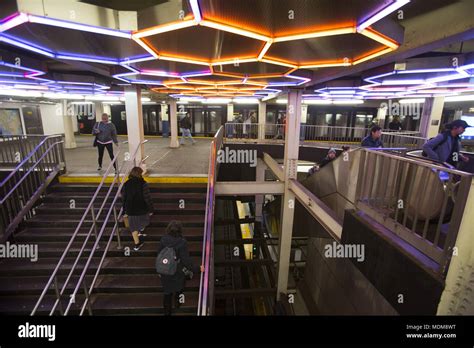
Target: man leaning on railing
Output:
[(446, 146), (373, 139)]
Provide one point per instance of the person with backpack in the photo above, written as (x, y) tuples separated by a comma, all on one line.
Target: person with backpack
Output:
[(174, 265), (105, 135), (137, 205), (446, 146)]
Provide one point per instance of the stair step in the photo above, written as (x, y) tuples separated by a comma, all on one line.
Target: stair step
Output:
[(80, 208), (155, 195), (126, 285), (32, 234), (112, 265), (191, 220), (153, 188), (102, 304), (116, 283), (149, 249), (147, 303)]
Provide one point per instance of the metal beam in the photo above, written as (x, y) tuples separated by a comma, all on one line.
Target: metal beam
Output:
[(318, 209), (292, 136), (242, 188), (274, 166)]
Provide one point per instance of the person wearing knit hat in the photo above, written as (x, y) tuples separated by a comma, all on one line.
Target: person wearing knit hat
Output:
[(446, 146), (331, 155)]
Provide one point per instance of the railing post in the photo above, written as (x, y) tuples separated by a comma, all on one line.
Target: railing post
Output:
[(58, 295), (119, 243), (94, 222), (86, 293)]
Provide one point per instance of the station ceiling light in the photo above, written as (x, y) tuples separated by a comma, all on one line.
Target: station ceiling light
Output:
[(137, 65)]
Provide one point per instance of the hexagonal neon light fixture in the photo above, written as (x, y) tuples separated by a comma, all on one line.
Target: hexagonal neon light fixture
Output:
[(12, 32), (385, 44)]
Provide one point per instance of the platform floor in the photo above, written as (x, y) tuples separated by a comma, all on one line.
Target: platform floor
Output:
[(187, 160)]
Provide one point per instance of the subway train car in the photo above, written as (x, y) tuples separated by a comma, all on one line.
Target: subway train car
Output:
[(206, 119)]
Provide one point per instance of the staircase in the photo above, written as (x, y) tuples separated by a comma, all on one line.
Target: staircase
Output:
[(127, 285)]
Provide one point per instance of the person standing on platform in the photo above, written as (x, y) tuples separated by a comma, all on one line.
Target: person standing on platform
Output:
[(373, 139), (247, 127), (105, 135), (395, 125), (174, 266), (185, 126), (446, 146), (137, 205)]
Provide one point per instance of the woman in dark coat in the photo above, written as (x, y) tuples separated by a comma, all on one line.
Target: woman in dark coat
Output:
[(137, 204), (174, 284)]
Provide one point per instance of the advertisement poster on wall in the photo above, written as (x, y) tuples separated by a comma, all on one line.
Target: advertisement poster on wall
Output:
[(10, 122)]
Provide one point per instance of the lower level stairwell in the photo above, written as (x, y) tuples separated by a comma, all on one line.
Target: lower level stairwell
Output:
[(127, 283)]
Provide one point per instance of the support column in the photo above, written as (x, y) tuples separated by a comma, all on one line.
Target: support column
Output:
[(457, 298), (174, 142), (262, 118), (133, 109), (304, 116), (292, 136), (165, 123), (230, 112), (381, 116), (259, 199), (69, 138), (431, 116), (99, 110)]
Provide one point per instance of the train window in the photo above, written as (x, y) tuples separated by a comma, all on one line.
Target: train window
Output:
[(329, 119)]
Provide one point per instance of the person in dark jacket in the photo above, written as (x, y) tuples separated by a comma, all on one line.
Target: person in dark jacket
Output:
[(185, 125), (173, 285), (446, 146), (137, 204), (331, 155), (106, 135), (395, 125), (373, 139)]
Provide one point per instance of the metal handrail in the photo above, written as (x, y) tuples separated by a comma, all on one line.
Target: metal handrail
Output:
[(132, 162), (420, 163), (28, 157), (28, 172), (205, 285), (431, 196), (14, 209), (95, 217), (309, 132), (71, 241)]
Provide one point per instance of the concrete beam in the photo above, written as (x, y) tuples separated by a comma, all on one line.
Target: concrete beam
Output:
[(317, 209), (249, 188), (274, 166)]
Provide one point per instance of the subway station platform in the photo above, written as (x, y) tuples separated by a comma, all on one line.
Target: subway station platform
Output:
[(332, 172), (186, 164)]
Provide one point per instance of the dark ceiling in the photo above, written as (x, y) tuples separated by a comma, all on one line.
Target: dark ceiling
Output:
[(125, 5)]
